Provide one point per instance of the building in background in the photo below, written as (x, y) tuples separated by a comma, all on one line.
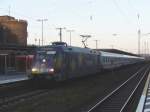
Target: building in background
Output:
[(13, 31), (15, 55)]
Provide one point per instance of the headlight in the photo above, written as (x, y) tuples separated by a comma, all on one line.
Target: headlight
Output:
[(34, 69), (44, 60), (51, 70)]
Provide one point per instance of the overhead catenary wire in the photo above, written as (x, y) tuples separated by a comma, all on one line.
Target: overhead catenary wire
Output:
[(133, 7), (136, 12), (123, 13)]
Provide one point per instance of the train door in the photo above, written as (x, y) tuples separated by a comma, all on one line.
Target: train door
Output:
[(3, 63)]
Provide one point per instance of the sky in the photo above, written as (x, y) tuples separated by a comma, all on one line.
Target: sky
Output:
[(99, 18)]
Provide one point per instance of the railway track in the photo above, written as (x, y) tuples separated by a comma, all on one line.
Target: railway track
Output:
[(8, 102), (118, 100), (12, 94), (31, 92)]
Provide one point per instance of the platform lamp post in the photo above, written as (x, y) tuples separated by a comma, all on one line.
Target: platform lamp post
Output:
[(70, 31), (42, 21)]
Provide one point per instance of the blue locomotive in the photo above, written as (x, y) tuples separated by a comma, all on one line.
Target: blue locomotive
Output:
[(61, 62)]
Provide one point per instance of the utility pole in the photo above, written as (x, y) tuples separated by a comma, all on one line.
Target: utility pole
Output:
[(35, 40), (139, 44), (39, 42), (96, 42), (70, 31), (145, 48), (60, 32), (139, 35), (42, 21)]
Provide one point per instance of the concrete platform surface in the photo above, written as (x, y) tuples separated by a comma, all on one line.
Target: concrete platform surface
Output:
[(8, 78), (144, 104)]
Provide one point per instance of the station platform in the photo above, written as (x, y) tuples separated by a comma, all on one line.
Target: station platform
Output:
[(144, 104), (8, 78)]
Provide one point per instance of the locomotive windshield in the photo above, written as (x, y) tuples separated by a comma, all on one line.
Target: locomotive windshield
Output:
[(45, 56), (44, 60)]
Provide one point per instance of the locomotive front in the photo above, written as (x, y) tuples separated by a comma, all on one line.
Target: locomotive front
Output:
[(43, 64)]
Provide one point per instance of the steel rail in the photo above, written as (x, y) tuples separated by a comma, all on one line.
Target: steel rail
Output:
[(107, 96), (145, 73)]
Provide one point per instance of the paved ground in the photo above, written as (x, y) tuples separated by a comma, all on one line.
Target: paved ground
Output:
[(7, 78)]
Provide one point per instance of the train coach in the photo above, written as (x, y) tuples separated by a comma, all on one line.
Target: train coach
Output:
[(61, 62), (114, 60)]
